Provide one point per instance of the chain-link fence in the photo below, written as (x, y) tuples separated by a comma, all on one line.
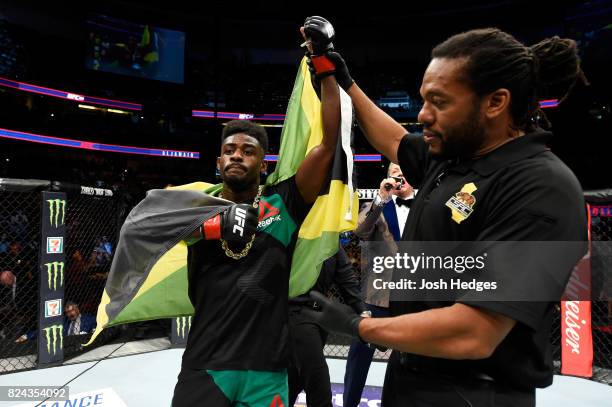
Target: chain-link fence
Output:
[(338, 346), (601, 231), (92, 218), (19, 240), (601, 310), (92, 223)]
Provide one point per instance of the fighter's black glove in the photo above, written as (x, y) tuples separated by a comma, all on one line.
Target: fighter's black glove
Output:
[(236, 224), (320, 33), (335, 317)]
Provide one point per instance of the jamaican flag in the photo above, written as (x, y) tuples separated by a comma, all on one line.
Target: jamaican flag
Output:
[(148, 276), (335, 210)]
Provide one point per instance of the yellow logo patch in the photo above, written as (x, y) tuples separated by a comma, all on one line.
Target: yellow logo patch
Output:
[(462, 203)]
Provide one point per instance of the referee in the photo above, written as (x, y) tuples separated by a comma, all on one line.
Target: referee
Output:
[(482, 143)]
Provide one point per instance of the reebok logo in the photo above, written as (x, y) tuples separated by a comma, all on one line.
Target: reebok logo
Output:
[(267, 214), (266, 210)]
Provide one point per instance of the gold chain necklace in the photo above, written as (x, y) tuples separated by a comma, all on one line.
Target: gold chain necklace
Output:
[(245, 251)]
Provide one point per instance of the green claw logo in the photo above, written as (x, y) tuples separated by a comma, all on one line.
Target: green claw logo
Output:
[(53, 270), (51, 334), (181, 324), (55, 207)]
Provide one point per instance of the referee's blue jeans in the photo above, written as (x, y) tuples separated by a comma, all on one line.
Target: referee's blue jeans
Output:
[(358, 363)]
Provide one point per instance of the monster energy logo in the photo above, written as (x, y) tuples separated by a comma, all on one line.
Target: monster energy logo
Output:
[(55, 206), (181, 324), (51, 334), (53, 270)]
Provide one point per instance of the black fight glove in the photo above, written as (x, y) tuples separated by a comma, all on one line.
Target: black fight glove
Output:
[(343, 77), (335, 317), (321, 33), (236, 224), (341, 72)]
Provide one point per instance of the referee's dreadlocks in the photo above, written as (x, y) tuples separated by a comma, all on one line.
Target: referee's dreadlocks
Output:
[(495, 59)]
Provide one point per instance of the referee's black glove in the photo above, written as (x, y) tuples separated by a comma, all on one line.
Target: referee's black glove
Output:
[(341, 72), (343, 77), (335, 317)]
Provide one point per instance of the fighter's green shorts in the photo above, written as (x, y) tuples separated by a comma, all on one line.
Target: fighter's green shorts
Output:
[(231, 388)]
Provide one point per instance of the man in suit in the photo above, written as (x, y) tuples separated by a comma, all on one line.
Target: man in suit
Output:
[(76, 323), (381, 220)]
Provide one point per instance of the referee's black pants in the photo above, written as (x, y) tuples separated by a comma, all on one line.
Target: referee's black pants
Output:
[(405, 387), (308, 370)]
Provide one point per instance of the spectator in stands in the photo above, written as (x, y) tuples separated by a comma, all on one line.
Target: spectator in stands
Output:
[(18, 225), (76, 276), (76, 323), (308, 370), (8, 285), (9, 297), (4, 244)]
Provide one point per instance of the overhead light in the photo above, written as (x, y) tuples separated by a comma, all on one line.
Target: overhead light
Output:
[(87, 107), (117, 111)]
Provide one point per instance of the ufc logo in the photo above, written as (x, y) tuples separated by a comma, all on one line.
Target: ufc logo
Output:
[(240, 217)]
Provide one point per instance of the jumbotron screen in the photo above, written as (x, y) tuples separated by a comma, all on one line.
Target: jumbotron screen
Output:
[(141, 50)]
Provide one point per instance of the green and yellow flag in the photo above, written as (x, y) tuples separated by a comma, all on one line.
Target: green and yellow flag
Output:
[(148, 277), (335, 210)]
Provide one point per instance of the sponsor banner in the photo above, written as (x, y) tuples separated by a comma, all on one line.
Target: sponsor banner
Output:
[(576, 339), (367, 194), (96, 191), (52, 277), (180, 330), (576, 333)]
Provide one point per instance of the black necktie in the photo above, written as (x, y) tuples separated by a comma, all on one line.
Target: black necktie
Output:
[(406, 202)]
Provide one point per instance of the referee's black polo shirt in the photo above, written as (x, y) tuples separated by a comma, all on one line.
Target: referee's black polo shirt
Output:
[(519, 192)]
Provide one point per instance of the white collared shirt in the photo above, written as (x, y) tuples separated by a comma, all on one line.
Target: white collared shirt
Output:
[(75, 326), (402, 212)]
